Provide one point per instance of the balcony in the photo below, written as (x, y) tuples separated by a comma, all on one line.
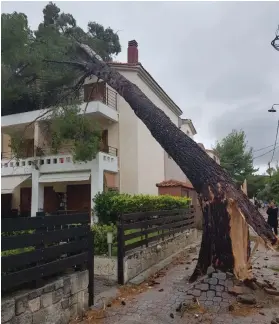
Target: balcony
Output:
[(101, 102), (63, 162)]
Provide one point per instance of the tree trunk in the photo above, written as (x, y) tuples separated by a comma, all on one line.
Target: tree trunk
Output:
[(216, 247), (213, 184)]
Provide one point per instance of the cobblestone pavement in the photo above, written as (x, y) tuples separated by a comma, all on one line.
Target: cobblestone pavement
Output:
[(158, 304)]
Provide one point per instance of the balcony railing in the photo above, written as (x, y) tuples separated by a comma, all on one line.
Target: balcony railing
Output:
[(100, 92), (63, 156)]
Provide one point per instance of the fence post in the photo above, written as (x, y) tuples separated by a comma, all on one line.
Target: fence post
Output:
[(90, 264), (39, 282), (120, 251), (146, 235)]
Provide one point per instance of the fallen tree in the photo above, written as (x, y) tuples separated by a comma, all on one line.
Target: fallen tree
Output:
[(226, 209)]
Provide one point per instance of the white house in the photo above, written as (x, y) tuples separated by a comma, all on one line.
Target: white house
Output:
[(130, 159)]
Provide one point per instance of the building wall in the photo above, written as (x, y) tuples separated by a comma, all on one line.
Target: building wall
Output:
[(150, 163), (172, 170), (128, 148), (213, 156)]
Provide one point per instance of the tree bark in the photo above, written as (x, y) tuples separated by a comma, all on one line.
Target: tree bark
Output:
[(216, 247), (212, 183)]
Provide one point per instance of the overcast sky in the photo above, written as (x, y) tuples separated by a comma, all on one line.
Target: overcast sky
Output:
[(214, 59)]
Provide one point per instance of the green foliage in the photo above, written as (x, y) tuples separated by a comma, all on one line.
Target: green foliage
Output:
[(103, 207), (271, 189), (108, 205), (17, 251), (69, 126), (235, 156), (29, 82), (255, 184), (100, 237)]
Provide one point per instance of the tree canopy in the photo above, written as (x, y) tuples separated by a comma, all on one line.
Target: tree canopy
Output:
[(30, 82), (235, 156), (270, 191)]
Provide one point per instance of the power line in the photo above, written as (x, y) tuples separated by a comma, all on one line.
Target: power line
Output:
[(275, 147), (275, 141), (256, 157), (263, 148)]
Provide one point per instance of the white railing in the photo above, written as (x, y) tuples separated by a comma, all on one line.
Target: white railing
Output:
[(57, 163)]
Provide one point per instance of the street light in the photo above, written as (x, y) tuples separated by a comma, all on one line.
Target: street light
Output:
[(272, 109)]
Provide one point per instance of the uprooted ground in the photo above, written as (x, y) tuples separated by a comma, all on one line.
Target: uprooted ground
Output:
[(169, 298)]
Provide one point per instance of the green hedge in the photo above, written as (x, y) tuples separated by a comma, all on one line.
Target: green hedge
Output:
[(108, 205), (100, 238)]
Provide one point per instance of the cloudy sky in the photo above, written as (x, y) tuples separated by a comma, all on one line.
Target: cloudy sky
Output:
[(214, 59)]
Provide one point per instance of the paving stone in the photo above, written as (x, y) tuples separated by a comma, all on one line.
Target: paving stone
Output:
[(210, 294), (204, 287), (196, 293), (213, 281), (208, 303), (219, 288), (219, 275), (222, 282), (217, 299)]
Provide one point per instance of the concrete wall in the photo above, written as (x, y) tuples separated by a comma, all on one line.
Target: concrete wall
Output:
[(55, 303)]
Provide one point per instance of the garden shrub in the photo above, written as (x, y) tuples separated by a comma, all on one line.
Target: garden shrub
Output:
[(109, 205), (20, 250), (100, 237)]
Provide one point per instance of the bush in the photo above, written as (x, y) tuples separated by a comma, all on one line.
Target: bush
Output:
[(108, 205), (17, 251), (100, 237)]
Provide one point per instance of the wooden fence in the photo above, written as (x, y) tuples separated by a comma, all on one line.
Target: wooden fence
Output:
[(139, 229), (49, 245)]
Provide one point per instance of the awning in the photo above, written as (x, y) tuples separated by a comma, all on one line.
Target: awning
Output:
[(8, 184), (64, 177)]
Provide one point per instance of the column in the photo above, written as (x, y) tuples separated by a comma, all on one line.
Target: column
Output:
[(37, 198), (97, 183)]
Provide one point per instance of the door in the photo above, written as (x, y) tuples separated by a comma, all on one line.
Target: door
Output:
[(79, 198), (51, 200), (6, 205), (25, 201), (104, 141)]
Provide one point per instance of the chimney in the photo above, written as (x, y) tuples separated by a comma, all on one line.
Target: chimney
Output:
[(133, 54)]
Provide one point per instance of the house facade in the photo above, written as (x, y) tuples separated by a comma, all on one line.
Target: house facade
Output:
[(129, 159)]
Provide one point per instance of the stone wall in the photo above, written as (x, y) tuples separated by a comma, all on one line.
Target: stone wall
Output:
[(54, 303), (105, 267), (140, 260)]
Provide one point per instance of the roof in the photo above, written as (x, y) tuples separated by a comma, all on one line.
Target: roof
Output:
[(191, 125), (174, 183), (153, 84), (213, 152)]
